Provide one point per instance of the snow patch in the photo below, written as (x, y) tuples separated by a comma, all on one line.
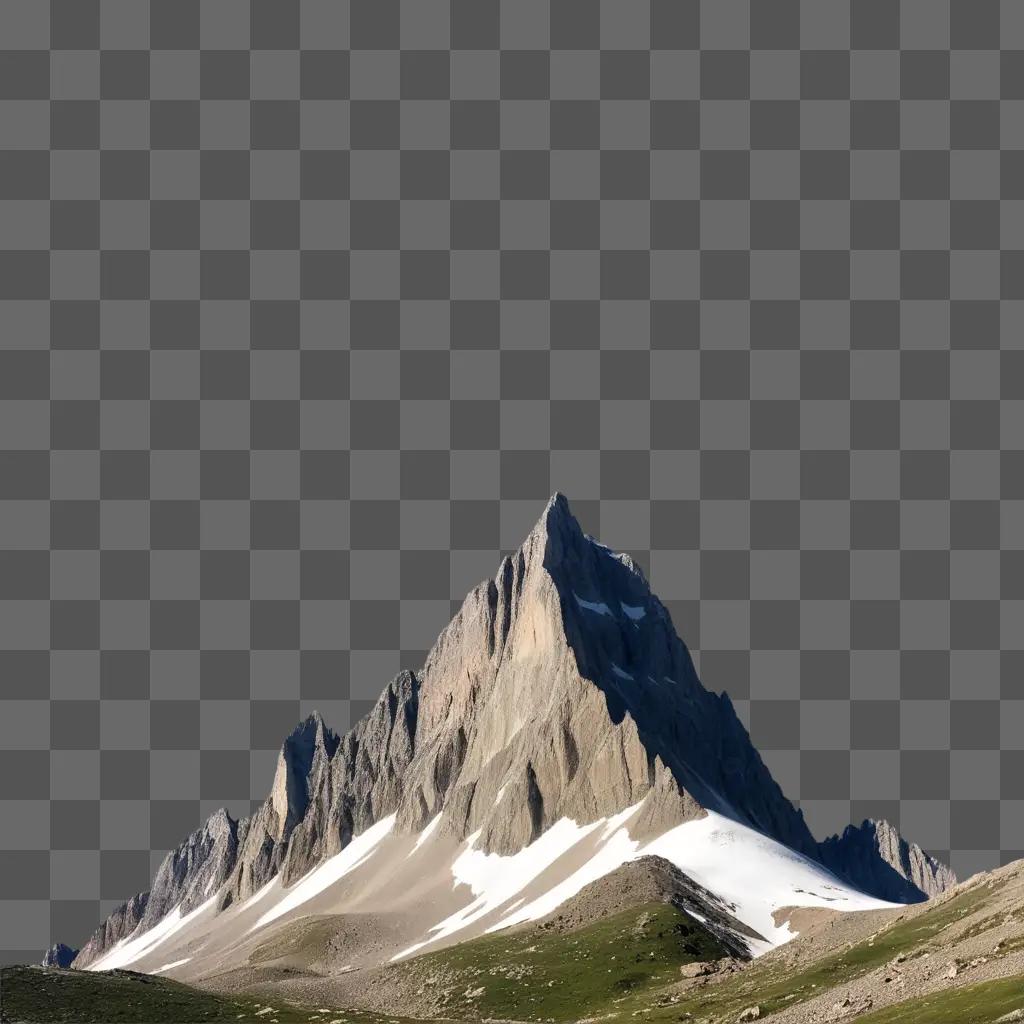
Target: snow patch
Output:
[(358, 851), (428, 830), (494, 879), (599, 607), (616, 821), (139, 944), (756, 874), (621, 672), (615, 852), (501, 793), (167, 967), (259, 894), (635, 612)]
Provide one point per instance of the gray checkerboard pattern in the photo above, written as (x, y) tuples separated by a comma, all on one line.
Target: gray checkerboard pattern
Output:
[(307, 305)]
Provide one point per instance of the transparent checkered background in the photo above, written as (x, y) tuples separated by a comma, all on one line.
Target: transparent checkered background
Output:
[(307, 306)]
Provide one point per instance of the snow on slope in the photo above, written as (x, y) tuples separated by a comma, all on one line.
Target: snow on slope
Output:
[(172, 964), (751, 873), (136, 946), (757, 874), (360, 849), (428, 831), (494, 879)]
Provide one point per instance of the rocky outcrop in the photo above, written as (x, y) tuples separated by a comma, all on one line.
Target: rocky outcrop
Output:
[(121, 923), (192, 874), (303, 766), (651, 880), (188, 876), (327, 790), (877, 859), (59, 955)]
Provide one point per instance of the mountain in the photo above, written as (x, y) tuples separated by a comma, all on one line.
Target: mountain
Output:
[(877, 859), (59, 955), (556, 731)]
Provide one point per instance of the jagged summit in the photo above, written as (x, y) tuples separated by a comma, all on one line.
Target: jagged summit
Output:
[(875, 857), (59, 955), (559, 690)]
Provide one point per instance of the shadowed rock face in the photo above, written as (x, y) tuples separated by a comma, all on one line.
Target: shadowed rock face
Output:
[(652, 880), (59, 955), (877, 859), (560, 689)]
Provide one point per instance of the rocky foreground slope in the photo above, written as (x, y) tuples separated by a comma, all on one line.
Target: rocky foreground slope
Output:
[(956, 959), (560, 692)]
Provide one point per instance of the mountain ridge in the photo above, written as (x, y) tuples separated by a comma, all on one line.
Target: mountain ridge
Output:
[(560, 689)]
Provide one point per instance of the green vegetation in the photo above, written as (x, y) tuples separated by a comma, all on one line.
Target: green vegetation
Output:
[(773, 988), (303, 942), (974, 1004), (35, 995), (61, 997), (542, 974), (615, 967)]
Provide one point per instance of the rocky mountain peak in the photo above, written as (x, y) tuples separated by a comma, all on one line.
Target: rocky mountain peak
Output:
[(59, 955), (560, 689), (875, 857), (309, 748)]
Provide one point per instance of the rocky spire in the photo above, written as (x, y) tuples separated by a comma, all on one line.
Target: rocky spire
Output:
[(877, 859), (119, 925), (59, 955)]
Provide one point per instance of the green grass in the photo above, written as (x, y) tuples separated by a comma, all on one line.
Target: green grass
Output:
[(565, 976), (82, 997), (974, 1004), (44, 996)]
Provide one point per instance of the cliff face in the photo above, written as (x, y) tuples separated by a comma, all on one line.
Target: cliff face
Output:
[(877, 859), (121, 923), (559, 690), (562, 686), (59, 955)]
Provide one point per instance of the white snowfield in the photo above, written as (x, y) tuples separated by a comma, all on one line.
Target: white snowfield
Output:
[(752, 874), (138, 945), (359, 850), (477, 892)]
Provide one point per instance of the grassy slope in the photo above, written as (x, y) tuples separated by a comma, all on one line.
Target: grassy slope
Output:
[(37, 996), (974, 1004), (772, 987), (32, 994), (605, 968), (565, 976)]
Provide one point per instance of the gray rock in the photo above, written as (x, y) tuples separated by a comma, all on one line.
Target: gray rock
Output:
[(186, 878), (121, 923), (59, 955), (563, 685), (877, 859)]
